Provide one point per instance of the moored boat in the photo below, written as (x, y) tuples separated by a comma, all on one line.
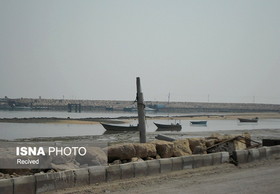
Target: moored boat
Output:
[(251, 120), (168, 127), (199, 122), (110, 127)]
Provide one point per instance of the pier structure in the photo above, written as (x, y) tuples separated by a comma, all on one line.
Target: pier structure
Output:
[(76, 107)]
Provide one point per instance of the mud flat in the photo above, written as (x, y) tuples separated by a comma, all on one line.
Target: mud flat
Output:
[(124, 119), (112, 138)]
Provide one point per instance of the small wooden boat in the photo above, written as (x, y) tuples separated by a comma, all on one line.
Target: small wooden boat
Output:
[(168, 127), (252, 120), (110, 127), (199, 122)]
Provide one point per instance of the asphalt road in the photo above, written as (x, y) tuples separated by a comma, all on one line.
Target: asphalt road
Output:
[(257, 177)]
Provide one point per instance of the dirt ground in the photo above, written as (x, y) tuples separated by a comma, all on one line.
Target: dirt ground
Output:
[(256, 177)]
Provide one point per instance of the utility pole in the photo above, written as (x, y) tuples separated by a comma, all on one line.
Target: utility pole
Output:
[(141, 112)]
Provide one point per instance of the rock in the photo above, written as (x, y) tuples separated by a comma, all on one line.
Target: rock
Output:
[(217, 137), (164, 148), (117, 162), (182, 148), (199, 150), (136, 159), (247, 139), (66, 166), (124, 161), (9, 165), (210, 142), (61, 159), (145, 150), (240, 143), (121, 152), (95, 156), (194, 142)]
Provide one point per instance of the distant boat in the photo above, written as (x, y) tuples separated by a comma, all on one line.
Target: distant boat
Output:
[(252, 120), (110, 127), (168, 127), (199, 122)]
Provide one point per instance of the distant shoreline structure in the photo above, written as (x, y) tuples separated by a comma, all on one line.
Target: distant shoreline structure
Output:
[(119, 105)]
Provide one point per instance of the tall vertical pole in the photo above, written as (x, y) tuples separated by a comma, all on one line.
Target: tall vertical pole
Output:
[(141, 113)]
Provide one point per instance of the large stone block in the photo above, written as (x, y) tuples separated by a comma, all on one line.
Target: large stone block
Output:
[(94, 156), (144, 150), (177, 163), (24, 184), (197, 145), (187, 162), (81, 177), (121, 152), (153, 167), (140, 169), (164, 148), (97, 174), (6, 186), (182, 148), (127, 170), (165, 165), (113, 173)]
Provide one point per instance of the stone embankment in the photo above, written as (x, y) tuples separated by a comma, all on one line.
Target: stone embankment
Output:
[(93, 105), (126, 160)]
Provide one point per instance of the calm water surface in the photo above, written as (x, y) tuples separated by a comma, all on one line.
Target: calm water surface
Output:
[(29, 130)]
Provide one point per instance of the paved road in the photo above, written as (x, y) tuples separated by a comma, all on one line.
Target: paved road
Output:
[(257, 180), (260, 177)]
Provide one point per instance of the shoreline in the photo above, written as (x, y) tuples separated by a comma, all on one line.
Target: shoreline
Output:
[(125, 119), (133, 137)]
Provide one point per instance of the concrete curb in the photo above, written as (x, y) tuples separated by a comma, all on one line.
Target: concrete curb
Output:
[(113, 173), (250, 155), (140, 169), (48, 182), (127, 170), (177, 163), (6, 186), (81, 176), (153, 167), (165, 165), (25, 184), (97, 174)]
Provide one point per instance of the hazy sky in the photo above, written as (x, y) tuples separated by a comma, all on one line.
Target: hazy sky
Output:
[(216, 50)]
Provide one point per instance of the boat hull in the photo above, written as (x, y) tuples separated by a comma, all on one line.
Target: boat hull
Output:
[(253, 120), (109, 127), (171, 127), (199, 122)]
